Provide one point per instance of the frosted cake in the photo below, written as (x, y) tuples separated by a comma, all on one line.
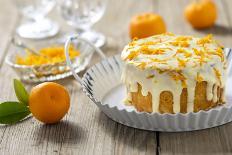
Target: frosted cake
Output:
[(174, 74)]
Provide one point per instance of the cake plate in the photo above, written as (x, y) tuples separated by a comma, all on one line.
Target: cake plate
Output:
[(102, 84)]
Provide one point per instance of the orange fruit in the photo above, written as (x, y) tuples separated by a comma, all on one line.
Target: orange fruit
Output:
[(201, 13), (49, 102), (145, 25)]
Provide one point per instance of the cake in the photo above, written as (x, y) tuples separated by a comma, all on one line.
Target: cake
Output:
[(170, 73)]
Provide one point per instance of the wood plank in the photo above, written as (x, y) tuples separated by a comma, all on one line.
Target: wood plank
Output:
[(210, 141), (85, 130), (110, 138), (8, 21), (7, 25), (225, 137)]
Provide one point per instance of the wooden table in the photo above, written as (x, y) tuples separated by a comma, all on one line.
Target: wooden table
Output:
[(86, 130)]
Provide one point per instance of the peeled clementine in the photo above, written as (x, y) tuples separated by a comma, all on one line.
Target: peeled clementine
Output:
[(201, 13), (145, 25), (49, 102)]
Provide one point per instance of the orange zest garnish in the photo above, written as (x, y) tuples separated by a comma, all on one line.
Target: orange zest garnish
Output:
[(178, 76), (180, 43), (217, 73), (181, 63), (146, 50), (142, 65), (187, 55), (181, 50), (150, 43), (132, 55), (47, 55), (150, 76), (205, 40), (199, 78), (164, 61), (183, 38), (202, 60)]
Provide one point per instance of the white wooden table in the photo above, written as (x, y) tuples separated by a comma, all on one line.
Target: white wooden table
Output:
[(86, 130)]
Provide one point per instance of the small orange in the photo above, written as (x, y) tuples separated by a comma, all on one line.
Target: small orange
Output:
[(145, 25), (49, 102), (201, 13)]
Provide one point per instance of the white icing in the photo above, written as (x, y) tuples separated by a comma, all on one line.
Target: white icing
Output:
[(129, 96), (209, 91), (151, 80), (191, 94)]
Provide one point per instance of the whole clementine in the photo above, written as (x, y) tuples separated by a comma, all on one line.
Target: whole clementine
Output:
[(145, 25), (49, 102), (201, 13)]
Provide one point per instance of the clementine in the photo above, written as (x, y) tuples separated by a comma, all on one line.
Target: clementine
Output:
[(201, 13), (145, 25), (49, 102)]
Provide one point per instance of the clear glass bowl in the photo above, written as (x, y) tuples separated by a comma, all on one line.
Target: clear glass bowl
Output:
[(48, 72)]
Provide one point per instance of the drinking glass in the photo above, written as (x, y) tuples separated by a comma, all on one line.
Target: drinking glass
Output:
[(37, 26), (82, 14)]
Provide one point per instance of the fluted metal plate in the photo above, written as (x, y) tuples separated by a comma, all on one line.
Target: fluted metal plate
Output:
[(102, 84)]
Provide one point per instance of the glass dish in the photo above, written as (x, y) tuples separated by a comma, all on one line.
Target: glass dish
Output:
[(48, 72)]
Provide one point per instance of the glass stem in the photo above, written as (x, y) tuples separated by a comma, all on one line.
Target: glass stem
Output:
[(81, 30), (38, 19)]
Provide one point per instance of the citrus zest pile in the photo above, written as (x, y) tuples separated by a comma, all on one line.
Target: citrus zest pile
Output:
[(48, 55)]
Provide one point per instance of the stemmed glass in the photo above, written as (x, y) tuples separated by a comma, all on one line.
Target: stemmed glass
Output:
[(36, 25), (82, 14)]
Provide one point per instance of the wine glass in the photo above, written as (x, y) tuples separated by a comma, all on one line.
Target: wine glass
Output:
[(82, 14), (36, 25)]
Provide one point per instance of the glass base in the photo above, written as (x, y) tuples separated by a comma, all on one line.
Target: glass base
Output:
[(38, 30), (96, 38)]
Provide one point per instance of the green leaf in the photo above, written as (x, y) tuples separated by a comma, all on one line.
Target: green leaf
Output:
[(12, 112), (21, 92)]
